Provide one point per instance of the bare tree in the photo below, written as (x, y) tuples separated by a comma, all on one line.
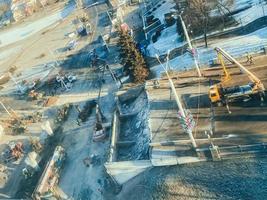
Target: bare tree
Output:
[(199, 14)]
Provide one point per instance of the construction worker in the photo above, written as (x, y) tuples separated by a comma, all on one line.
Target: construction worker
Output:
[(249, 59), (78, 122), (156, 84)]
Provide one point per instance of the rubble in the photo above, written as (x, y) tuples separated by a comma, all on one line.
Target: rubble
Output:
[(13, 152), (3, 175), (33, 95), (36, 145), (62, 113), (50, 101), (16, 126)]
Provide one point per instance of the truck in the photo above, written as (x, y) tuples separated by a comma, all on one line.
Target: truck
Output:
[(48, 181), (222, 94)]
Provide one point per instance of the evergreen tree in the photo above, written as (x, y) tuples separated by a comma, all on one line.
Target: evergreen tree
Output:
[(139, 71), (132, 59)]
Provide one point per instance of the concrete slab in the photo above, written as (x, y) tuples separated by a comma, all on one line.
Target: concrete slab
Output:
[(126, 170)]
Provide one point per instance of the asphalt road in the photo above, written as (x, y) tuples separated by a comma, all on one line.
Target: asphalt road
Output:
[(23, 31)]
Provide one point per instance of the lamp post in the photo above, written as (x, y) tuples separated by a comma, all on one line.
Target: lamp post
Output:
[(262, 6), (183, 114), (190, 46)]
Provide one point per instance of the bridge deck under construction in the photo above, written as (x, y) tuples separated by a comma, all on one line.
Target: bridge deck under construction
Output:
[(243, 124)]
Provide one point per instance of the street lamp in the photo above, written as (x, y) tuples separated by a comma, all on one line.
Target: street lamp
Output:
[(262, 2), (183, 113), (192, 50), (168, 59)]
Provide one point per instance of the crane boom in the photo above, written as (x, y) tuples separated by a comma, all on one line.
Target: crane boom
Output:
[(226, 73), (220, 93), (250, 74)]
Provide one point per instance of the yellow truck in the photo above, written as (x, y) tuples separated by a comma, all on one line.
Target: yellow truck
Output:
[(221, 94)]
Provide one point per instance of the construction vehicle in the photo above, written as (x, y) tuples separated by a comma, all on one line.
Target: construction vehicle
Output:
[(36, 145), (62, 113), (15, 124), (13, 152), (222, 94), (100, 131), (50, 176), (33, 95)]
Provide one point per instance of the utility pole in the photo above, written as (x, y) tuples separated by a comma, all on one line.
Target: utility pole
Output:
[(105, 43), (110, 18), (41, 4), (190, 46), (262, 6), (16, 83), (179, 104), (168, 59), (5, 108), (61, 80), (114, 77)]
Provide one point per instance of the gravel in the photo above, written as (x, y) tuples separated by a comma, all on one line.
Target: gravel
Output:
[(232, 179)]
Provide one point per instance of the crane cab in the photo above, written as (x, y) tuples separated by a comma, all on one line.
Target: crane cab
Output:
[(214, 94)]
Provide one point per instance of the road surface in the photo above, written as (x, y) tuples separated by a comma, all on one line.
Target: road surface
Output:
[(23, 31)]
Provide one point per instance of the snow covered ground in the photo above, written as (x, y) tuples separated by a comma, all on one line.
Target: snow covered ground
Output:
[(236, 46), (250, 10), (170, 39), (258, 9), (164, 9)]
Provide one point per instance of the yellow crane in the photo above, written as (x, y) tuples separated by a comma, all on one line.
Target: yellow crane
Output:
[(226, 76), (219, 93)]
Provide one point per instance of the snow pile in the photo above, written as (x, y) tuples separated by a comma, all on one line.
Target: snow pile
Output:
[(246, 10)]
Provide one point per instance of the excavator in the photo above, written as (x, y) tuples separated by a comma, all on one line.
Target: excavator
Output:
[(221, 94)]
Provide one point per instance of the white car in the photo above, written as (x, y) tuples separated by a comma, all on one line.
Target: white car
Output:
[(71, 78), (71, 45)]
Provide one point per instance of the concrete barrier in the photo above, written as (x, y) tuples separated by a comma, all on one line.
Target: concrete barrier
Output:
[(114, 137)]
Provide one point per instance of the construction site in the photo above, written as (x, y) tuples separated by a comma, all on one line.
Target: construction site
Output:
[(75, 125)]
